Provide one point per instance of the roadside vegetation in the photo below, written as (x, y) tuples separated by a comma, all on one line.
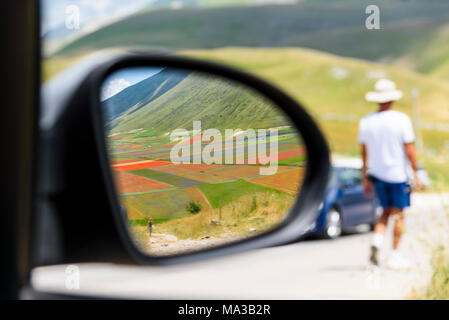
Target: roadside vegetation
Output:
[(221, 194), (193, 207), (438, 287), (249, 214)]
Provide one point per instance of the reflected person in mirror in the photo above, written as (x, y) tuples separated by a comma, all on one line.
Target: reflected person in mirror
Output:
[(387, 147), (150, 226)]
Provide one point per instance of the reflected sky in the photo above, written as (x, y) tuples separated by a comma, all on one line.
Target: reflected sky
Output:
[(124, 78)]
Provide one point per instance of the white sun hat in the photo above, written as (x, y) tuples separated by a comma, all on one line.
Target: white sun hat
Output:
[(385, 91)]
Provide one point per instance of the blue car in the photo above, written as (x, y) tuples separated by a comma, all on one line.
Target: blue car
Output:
[(344, 205)]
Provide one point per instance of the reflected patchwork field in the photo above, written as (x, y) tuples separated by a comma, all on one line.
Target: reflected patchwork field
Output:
[(149, 174)]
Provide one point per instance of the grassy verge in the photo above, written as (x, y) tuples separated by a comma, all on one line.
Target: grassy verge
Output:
[(220, 194), (261, 211), (158, 205), (439, 173), (438, 288), (298, 160), (55, 65), (165, 177)]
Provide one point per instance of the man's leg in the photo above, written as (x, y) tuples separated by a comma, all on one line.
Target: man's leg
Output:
[(381, 189), (378, 237), (398, 227), (395, 260), (381, 223)]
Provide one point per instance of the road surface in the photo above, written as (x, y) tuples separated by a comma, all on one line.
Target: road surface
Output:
[(312, 269)]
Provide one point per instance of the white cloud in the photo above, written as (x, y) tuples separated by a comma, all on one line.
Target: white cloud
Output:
[(113, 87)]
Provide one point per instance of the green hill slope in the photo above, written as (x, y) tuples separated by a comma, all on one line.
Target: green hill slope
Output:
[(434, 58), (216, 103), (442, 72), (135, 97), (338, 27), (330, 84)]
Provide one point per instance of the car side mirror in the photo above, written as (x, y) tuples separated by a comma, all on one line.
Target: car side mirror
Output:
[(175, 160)]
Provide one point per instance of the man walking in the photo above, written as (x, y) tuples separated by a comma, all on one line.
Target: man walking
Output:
[(150, 226), (387, 146)]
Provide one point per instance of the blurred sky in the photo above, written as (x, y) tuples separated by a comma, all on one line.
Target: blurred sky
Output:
[(93, 14), (91, 11)]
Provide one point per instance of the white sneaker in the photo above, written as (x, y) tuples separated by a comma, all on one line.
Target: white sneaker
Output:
[(397, 262)]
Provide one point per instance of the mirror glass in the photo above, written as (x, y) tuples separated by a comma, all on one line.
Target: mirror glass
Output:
[(198, 160)]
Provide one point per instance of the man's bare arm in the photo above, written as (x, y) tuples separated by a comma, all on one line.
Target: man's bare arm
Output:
[(410, 151), (364, 156), (367, 187)]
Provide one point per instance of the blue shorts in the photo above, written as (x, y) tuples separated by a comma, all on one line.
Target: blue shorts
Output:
[(393, 195)]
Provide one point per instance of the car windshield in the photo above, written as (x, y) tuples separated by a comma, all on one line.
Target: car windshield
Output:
[(350, 175)]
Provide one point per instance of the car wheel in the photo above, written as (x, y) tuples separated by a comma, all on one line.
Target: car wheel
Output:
[(334, 226)]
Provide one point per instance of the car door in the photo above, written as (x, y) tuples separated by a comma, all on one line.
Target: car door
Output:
[(357, 208)]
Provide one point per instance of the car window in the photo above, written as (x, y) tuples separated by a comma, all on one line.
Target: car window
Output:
[(350, 176)]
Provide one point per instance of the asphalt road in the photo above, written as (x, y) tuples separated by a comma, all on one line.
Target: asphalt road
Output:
[(312, 269)]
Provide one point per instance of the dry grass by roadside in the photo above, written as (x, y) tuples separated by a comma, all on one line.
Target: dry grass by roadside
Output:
[(249, 214), (438, 288)]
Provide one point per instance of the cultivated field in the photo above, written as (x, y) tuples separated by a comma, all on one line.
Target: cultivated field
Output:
[(151, 186)]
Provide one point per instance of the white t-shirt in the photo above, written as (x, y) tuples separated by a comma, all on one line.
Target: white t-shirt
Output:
[(384, 134)]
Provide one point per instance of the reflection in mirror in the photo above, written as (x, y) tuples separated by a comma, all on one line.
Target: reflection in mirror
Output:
[(198, 161)]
